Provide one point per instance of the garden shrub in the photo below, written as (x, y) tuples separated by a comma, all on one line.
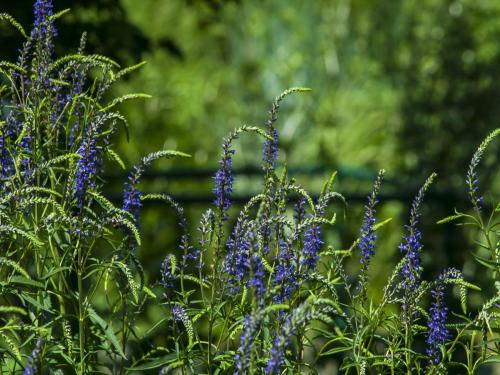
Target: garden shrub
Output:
[(255, 292)]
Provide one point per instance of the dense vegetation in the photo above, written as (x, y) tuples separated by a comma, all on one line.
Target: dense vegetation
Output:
[(261, 289)]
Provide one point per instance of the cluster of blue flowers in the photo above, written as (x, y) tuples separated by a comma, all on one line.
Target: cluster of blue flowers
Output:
[(270, 271), (438, 334), (271, 145), (131, 194), (243, 356), (223, 180), (237, 262), (411, 245), (36, 55), (312, 245), (89, 161), (179, 313), (42, 37), (285, 278), (32, 366), (367, 235), (295, 321), (167, 271)]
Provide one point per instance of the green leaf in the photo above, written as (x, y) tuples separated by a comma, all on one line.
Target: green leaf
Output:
[(382, 223), (29, 282), (108, 331), (196, 280), (148, 291), (54, 271), (34, 302), (336, 350), (486, 262), (493, 359), (155, 363)]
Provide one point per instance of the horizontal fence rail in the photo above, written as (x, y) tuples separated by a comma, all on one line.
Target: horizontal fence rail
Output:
[(400, 189)]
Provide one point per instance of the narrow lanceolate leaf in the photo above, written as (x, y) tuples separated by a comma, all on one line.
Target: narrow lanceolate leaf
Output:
[(467, 284), (148, 291), (108, 331), (27, 282), (491, 264), (382, 223), (155, 363)]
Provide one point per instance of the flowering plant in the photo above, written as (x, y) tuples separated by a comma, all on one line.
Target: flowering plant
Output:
[(263, 294)]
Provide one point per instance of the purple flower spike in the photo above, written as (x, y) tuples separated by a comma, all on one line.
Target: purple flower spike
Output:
[(411, 244), (367, 233), (271, 147), (167, 272), (243, 357), (43, 33), (312, 245), (237, 262), (88, 164), (285, 276), (223, 180), (31, 367), (437, 333)]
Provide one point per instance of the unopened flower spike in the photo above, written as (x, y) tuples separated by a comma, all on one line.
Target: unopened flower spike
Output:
[(472, 178), (368, 236), (271, 146), (223, 179), (367, 233)]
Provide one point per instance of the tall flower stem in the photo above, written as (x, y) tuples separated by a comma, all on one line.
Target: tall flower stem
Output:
[(408, 342), (81, 312)]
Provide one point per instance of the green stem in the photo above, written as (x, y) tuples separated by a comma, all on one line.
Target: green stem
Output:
[(81, 313), (407, 346)]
